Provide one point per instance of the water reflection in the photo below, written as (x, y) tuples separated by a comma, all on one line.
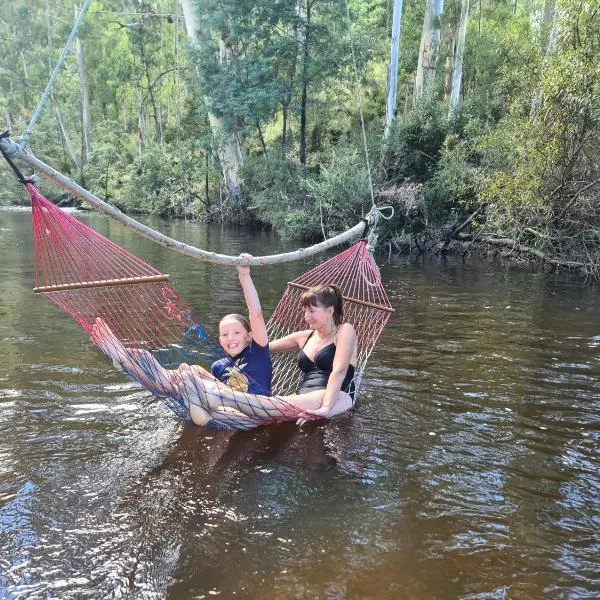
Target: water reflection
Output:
[(468, 470)]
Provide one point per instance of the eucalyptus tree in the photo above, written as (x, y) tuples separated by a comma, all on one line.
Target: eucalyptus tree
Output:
[(392, 85), (458, 56), (429, 49)]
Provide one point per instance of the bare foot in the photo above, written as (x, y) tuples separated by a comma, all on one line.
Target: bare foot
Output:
[(199, 371), (199, 415)]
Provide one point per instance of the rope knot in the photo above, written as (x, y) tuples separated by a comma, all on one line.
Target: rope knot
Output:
[(374, 215)]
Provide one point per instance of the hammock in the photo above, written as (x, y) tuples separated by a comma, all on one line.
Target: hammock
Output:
[(106, 288)]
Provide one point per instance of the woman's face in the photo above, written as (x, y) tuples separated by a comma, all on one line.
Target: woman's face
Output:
[(233, 337), (317, 317)]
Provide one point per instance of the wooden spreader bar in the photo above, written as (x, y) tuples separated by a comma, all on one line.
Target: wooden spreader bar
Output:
[(348, 299), (101, 283)]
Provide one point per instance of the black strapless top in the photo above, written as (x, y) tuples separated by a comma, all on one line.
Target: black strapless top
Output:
[(317, 372)]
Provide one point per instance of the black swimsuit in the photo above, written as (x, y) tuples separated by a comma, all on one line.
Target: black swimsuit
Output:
[(317, 372)]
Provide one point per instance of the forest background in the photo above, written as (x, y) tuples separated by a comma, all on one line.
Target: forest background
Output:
[(254, 111)]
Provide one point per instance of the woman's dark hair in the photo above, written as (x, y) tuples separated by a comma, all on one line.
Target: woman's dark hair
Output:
[(325, 296), (239, 318)]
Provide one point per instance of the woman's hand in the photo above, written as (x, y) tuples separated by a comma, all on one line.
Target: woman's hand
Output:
[(320, 413)]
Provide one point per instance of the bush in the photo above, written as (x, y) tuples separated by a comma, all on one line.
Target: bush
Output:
[(416, 142), (328, 200), (273, 186), (453, 186)]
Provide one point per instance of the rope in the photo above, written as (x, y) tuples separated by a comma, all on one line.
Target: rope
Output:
[(36, 115), (11, 164), (359, 102)]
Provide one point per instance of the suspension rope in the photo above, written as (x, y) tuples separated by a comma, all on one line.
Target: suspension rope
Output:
[(11, 164), (36, 115), (359, 102), (11, 149)]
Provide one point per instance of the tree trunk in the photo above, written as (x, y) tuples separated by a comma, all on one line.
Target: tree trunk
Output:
[(459, 56), (261, 138), (548, 41), (287, 101), (390, 112), (548, 37), (304, 96), (177, 87), (429, 49), (86, 119), (141, 120), (64, 134), (229, 149), (155, 107), (8, 121)]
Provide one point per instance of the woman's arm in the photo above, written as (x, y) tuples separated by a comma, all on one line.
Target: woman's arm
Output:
[(257, 321), (345, 348), (289, 343)]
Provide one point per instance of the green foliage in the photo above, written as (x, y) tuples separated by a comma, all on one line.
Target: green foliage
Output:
[(541, 166), (329, 200), (113, 151), (340, 191), (416, 142), (275, 186), (453, 185)]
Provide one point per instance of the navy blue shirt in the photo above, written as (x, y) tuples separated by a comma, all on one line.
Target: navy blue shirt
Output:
[(251, 371)]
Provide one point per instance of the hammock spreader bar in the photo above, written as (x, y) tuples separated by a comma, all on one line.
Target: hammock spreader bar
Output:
[(100, 283), (12, 149)]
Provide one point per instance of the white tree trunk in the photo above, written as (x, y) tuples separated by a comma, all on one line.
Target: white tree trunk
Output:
[(548, 35), (86, 118), (429, 49), (65, 134), (459, 56), (229, 149), (390, 112)]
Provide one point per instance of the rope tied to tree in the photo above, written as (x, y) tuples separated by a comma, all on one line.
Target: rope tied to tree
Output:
[(7, 154)]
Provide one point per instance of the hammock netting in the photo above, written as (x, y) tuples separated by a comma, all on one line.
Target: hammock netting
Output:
[(133, 313)]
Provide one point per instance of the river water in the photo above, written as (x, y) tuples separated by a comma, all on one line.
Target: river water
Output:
[(469, 468)]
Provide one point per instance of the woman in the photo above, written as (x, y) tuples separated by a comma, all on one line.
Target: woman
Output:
[(327, 353)]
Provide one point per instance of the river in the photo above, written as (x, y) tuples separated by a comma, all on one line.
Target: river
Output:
[(469, 468)]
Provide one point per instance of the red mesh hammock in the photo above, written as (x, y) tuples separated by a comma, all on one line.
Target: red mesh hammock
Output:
[(101, 284)]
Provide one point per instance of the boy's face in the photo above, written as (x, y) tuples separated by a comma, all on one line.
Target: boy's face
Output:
[(233, 337)]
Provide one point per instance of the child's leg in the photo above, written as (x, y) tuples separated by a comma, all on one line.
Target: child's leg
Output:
[(204, 406), (232, 418), (213, 395), (313, 400), (140, 364)]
